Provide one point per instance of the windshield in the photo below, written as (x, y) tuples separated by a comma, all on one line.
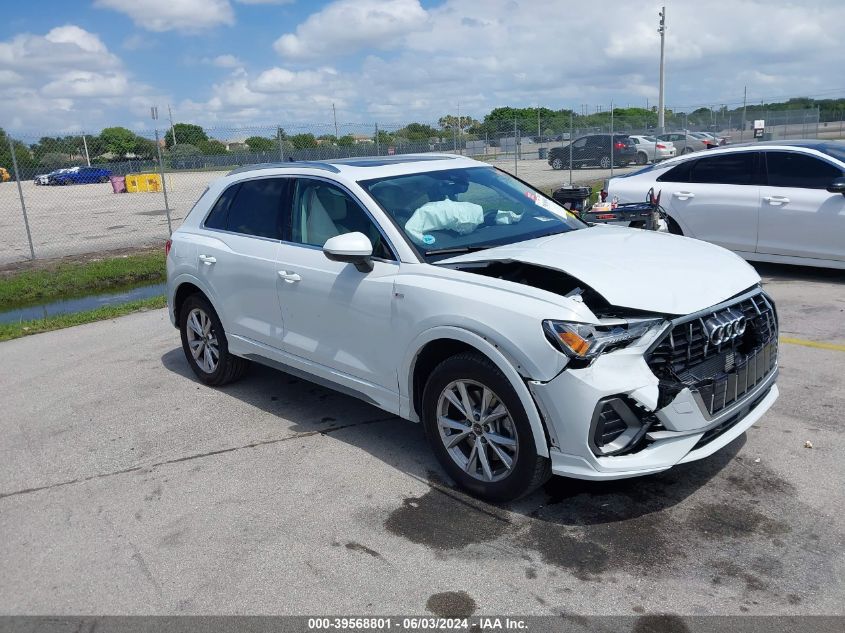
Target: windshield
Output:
[(448, 212), (835, 149)]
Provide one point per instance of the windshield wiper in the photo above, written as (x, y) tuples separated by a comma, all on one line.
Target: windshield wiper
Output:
[(458, 249)]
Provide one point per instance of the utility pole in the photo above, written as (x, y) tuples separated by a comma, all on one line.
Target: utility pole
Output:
[(172, 129), (742, 123), (85, 144), (661, 121), (334, 115)]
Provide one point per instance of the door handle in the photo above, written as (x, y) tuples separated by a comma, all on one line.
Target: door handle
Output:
[(289, 277), (776, 199), (208, 260), (683, 195)]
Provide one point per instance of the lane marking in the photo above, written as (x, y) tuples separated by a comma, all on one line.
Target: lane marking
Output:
[(817, 344)]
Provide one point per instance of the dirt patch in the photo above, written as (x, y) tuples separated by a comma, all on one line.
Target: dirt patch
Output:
[(12, 268)]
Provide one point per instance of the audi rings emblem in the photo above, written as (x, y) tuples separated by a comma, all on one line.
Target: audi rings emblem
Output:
[(725, 327)]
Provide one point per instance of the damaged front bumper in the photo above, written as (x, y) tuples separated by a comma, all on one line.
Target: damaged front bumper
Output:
[(656, 437)]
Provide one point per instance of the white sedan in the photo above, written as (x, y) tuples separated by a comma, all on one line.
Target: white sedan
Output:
[(774, 201), (447, 292), (651, 149)]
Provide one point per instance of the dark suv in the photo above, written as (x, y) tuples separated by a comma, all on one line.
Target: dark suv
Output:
[(595, 150)]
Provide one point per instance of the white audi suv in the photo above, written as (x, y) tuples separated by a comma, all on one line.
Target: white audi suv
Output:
[(450, 293)]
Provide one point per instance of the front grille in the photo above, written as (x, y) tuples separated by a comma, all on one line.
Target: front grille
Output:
[(722, 373)]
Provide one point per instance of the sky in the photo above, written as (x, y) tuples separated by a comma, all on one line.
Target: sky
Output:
[(80, 65)]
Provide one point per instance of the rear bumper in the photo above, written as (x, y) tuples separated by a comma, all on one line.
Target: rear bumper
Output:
[(569, 401)]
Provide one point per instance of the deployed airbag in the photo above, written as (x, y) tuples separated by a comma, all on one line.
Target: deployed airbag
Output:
[(461, 217)]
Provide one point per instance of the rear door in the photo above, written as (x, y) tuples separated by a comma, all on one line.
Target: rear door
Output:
[(579, 150), (716, 198), (798, 216), (237, 253)]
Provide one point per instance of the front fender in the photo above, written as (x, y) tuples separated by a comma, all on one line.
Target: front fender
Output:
[(489, 349)]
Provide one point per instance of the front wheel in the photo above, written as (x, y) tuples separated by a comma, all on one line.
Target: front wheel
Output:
[(557, 163), (688, 150), (205, 345), (604, 162), (479, 431)]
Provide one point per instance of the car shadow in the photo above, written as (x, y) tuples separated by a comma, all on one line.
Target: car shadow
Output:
[(789, 272), (402, 445)]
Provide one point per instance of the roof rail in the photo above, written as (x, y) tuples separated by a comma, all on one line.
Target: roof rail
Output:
[(311, 164)]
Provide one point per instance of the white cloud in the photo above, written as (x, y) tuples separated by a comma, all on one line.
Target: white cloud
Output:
[(348, 25), (65, 79), (226, 61), (265, 1), (190, 16)]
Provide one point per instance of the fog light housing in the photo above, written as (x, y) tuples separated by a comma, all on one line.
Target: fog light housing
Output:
[(617, 427)]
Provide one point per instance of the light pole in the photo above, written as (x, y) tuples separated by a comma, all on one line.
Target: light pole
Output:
[(661, 123)]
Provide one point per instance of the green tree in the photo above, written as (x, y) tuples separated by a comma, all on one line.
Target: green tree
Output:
[(261, 144), (418, 132), (186, 133), (211, 146), (26, 161), (119, 141), (327, 138), (303, 141), (384, 138), (346, 141)]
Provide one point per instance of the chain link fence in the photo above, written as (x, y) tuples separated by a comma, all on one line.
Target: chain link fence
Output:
[(76, 194)]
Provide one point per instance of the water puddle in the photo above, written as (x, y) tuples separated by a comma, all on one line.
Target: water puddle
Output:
[(81, 304)]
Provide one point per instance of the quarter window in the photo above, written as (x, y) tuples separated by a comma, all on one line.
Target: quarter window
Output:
[(791, 169), (322, 211), (679, 173), (725, 169)]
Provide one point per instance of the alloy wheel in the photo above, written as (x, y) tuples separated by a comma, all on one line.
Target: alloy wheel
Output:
[(202, 340), (477, 430)]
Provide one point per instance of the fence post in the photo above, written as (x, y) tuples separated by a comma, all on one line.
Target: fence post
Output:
[(515, 145), (378, 151), (571, 138), (281, 147), (164, 186), (611, 139), (20, 194)]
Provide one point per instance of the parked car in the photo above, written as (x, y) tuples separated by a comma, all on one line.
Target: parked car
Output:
[(718, 140), (707, 139), (79, 176), (595, 150), (773, 201), (447, 292), (649, 149), (4, 175), (684, 143)]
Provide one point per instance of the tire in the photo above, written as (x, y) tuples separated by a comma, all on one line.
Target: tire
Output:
[(604, 162), (104, 179), (674, 228), (200, 313), (474, 445), (688, 150), (557, 163), (642, 158)]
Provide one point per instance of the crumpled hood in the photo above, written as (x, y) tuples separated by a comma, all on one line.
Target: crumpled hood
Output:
[(633, 268)]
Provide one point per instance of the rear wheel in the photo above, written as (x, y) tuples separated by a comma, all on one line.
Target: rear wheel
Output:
[(688, 150), (604, 162), (557, 163), (642, 158), (204, 343), (479, 431)]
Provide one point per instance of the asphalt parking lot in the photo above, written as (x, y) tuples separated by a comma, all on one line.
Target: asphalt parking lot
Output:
[(128, 487), (91, 218)]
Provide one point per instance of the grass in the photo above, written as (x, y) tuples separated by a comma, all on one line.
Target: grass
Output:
[(70, 279), (9, 331)]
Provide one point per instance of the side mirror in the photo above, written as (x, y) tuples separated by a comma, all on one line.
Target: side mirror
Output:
[(352, 248), (837, 186)]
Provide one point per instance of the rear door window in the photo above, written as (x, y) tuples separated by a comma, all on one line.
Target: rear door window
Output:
[(679, 173), (791, 169), (252, 207), (725, 169)]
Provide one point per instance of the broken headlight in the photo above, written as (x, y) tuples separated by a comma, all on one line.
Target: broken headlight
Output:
[(584, 341)]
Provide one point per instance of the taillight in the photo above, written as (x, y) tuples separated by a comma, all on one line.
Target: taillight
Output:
[(167, 246), (660, 146), (619, 145)]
